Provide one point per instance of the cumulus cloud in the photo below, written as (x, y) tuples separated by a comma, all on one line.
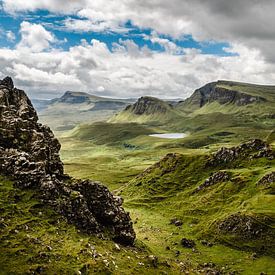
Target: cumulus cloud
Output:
[(10, 36), (34, 37), (169, 46), (130, 71), (249, 22)]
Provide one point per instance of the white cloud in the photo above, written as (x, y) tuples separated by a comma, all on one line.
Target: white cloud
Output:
[(85, 25), (241, 21), (59, 6), (10, 36), (169, 46), (34, 37), (129, 71)]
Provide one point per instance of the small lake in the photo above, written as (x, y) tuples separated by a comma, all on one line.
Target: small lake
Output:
[(169, 135)]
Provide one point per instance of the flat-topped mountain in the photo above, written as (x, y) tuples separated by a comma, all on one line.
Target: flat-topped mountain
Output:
[(74, 107), (74, 98), (229, 93)]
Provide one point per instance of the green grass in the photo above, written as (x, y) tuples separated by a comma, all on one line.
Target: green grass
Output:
[(33, 238), (163, 195), (117, 154)]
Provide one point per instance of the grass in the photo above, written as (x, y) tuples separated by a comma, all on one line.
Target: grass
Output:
[(117, 154), (34, 239), (157, 196)]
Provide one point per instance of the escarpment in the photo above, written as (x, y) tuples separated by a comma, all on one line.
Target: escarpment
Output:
[(29, 154), (148, 106)]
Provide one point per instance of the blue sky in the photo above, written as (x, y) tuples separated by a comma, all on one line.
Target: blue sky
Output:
[(132, 48), (54, 23)]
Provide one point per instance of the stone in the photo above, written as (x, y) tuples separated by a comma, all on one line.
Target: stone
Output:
[(252, 149), (29, 154), (187, 243), (176, 222), (153, 260), (217, 177)]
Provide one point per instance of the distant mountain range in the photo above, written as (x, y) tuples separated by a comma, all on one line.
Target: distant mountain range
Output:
[(222, 106), (240, 110), (224, 93)]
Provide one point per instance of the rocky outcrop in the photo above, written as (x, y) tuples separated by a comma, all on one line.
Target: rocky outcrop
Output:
[(255, 148), (267, 180), (148, 106), (29, 153), (245, 226), (217, 177), (213, 92)]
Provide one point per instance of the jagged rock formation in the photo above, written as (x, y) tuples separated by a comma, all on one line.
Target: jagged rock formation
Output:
[(148, 106), (29, 153), (255, 148)]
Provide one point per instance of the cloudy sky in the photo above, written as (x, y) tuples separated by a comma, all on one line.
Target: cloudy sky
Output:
[(129, 48)]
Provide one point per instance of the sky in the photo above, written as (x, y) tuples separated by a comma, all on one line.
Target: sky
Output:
[(131, 48)]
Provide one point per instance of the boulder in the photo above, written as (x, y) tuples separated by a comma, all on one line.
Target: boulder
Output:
[(187, 243)]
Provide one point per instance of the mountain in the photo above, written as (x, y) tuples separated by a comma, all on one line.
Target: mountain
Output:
[(146, 109), (72, 108), (222, 92), (228, 94), (218, 112), (41, 104)]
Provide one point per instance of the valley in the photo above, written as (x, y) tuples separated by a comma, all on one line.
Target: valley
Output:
[(197, 177), (117, 152)]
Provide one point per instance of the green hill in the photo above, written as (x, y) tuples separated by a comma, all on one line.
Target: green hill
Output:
[(228, 196), (147, 110)]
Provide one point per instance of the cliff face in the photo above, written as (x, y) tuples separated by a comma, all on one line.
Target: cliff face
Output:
[(25, 144), (148, 106), (213, 92), (29, 153)]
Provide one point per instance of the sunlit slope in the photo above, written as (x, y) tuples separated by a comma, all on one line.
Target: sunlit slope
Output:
[(226, 199)]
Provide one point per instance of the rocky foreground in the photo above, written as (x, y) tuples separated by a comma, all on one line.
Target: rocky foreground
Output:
[(29, 154)]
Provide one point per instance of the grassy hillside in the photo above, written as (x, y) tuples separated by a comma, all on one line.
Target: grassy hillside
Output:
[(35, 240), (165, 191), (147, 110), (231, 221)]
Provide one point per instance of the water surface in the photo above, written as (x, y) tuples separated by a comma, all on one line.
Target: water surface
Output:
[(169, 135)]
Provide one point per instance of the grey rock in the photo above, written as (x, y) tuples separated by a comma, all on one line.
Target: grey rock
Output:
[(187, 243)]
